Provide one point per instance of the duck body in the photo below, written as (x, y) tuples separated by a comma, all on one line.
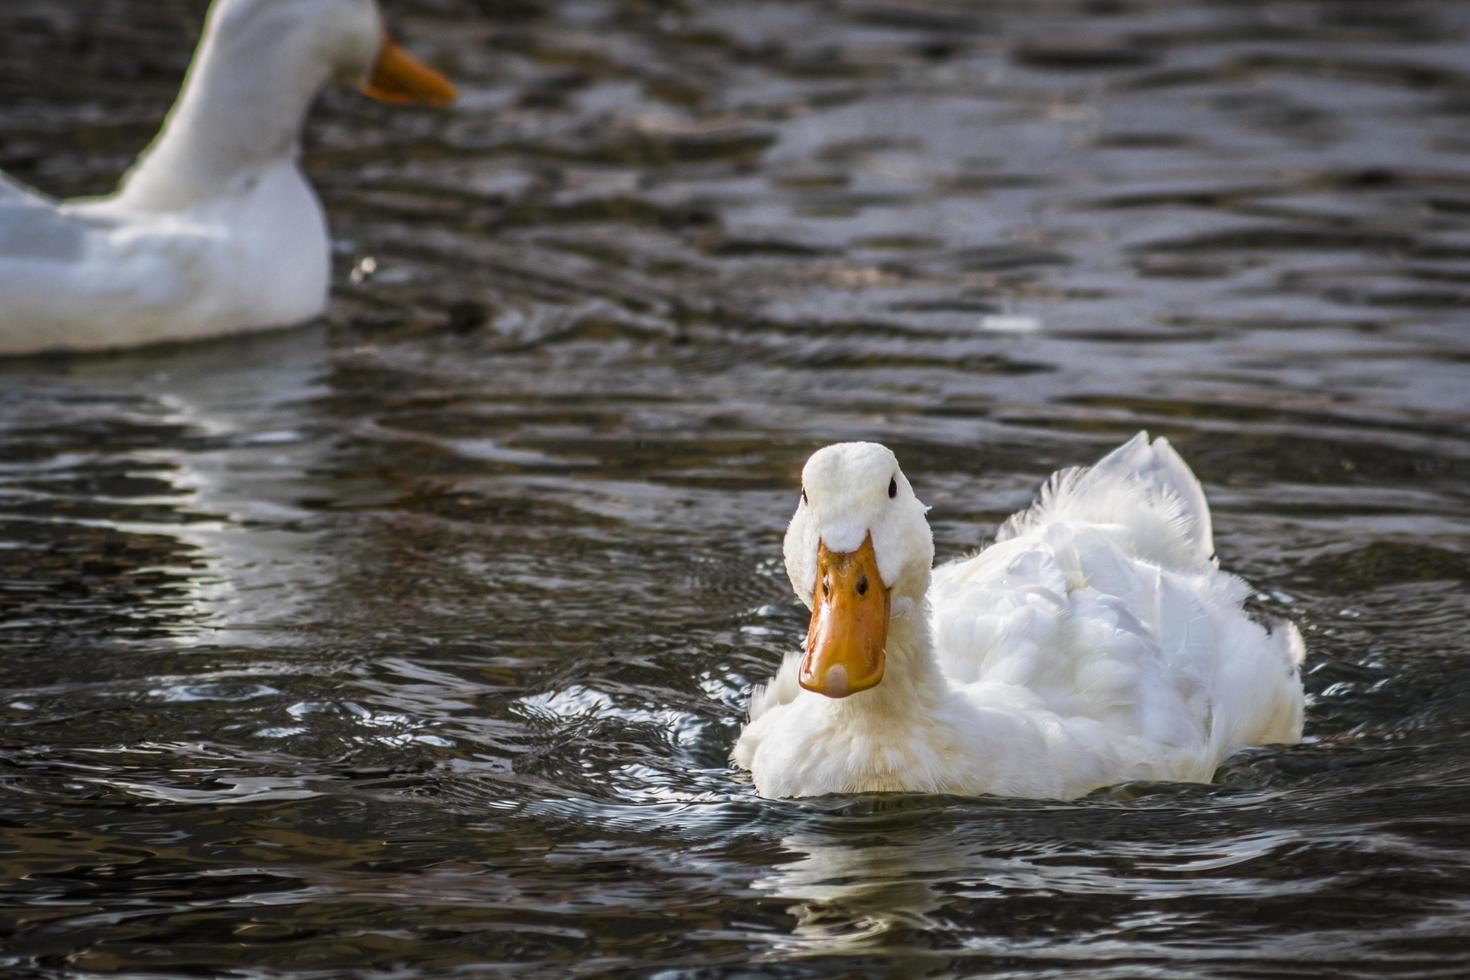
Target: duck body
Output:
[(88, 275), (1095, 642), (214, 229)]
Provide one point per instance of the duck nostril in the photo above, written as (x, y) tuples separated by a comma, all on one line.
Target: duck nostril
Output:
[(826, 585), (862, 585)]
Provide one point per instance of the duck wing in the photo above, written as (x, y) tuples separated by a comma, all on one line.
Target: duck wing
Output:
[(1144, 490), (1104, 602), (81, 274), (33, 227), (12, 189)]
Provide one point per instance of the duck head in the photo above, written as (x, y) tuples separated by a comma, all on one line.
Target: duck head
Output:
[(258, 67), (858, 551), (318, 41)]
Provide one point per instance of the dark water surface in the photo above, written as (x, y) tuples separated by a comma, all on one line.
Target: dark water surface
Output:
[(415, 640)]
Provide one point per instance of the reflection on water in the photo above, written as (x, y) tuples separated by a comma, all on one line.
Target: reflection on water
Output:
[(416, 640), (863, 893)]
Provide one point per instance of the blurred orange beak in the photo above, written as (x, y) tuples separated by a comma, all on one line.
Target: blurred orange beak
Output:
[(398, 76), (849, 628)]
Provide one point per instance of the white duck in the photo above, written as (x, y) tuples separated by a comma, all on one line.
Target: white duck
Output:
[(214, 229), (1095, 642)]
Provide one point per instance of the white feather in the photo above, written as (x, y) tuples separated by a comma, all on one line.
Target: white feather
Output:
[(1095, 642)]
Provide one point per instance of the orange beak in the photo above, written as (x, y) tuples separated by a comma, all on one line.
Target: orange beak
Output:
[(849, 628), (398, 76)]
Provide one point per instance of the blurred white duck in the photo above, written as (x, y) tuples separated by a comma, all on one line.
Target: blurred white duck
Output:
[(1095, 642), (214, 229)]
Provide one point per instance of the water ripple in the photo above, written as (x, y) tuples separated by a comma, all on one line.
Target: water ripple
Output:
[(415, 641)]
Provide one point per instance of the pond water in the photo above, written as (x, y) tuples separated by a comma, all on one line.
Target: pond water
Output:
[(415, 640)]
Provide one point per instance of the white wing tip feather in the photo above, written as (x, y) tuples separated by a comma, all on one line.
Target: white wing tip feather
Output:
[(1144, 485)]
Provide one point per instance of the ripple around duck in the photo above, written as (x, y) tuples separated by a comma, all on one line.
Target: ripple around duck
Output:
[(416, 640)]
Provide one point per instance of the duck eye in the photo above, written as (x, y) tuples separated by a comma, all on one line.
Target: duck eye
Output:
[(803, 495), (892, 487)]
